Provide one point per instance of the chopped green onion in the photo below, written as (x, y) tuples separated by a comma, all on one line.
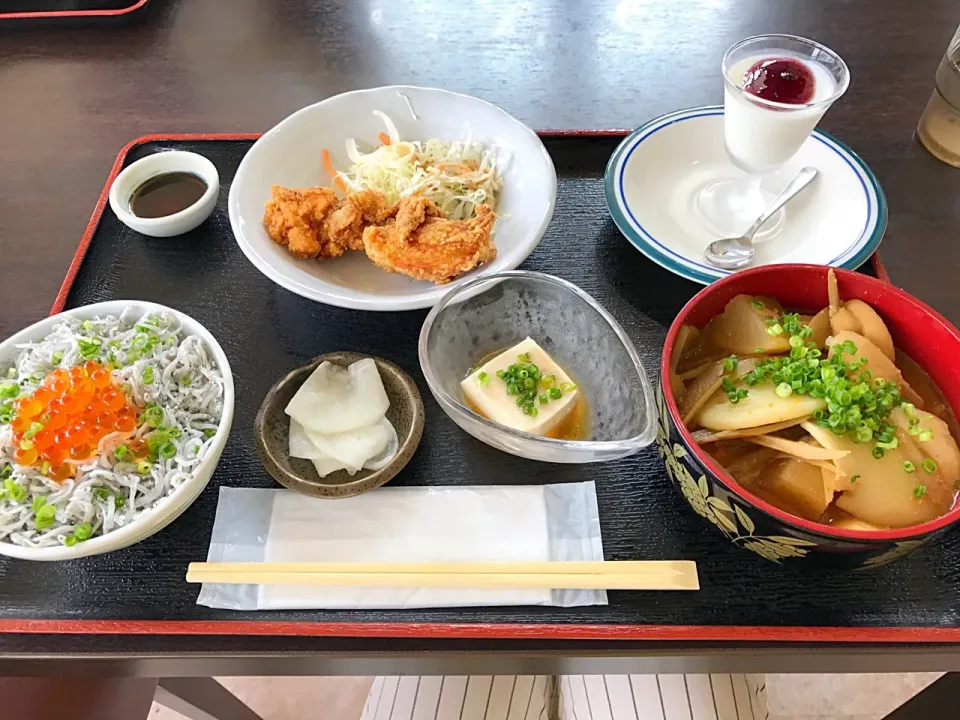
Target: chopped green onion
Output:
[(568, 387), (119, 501), (174, 432), (45, 468), (14, 492), (757, 304), (555, 393), (483, 379), (919, 490), (888, 445), (730, 363), (148, 375), (9, 390), (775, 329), (6, 472), (121, 452), (89, 348), (524, 358), (185, 381), (88, 326), (854, 479), (83, 531), (57, 357), (877, 453), (143, 467), (863, 434), (11, 373), (38, 502), (543, 399), (70, 540), (908, 466), (153, 415), (926, 435), (26, 444), (929, 466), (101, 493), (34, 428), (44, 516), (784, 390), (168, 451)]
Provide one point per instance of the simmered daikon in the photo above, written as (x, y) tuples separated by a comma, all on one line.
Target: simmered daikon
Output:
[(844, 438)]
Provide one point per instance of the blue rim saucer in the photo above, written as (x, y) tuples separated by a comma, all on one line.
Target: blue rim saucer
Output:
[(627, 177)]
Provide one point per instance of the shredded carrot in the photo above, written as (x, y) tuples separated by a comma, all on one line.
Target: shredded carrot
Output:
[(328, 166), (384, 138), (454, 165)]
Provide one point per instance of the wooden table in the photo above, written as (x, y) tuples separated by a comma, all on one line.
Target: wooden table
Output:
[(73, 95)]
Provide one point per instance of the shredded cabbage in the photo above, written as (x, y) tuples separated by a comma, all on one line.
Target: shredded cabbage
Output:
[(456, 176)]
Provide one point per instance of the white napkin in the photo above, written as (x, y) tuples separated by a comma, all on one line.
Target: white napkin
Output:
[(513, 523)]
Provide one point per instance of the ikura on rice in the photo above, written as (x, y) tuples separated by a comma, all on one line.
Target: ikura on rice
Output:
[(99, 422)]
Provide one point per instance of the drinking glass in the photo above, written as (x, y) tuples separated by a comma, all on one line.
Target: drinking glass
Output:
[(761, 135), (939, 128)]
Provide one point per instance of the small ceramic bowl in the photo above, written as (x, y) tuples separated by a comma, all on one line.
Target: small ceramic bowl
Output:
[(494, 313), (745, 519), (271, 429), (160, 163)]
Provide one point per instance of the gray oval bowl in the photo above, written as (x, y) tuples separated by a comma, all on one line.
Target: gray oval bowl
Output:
[(271, 429)]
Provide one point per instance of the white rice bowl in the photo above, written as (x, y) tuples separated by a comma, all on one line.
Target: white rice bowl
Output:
[(177, 497)]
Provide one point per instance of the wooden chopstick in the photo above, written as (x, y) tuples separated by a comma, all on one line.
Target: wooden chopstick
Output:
[(613, 575)]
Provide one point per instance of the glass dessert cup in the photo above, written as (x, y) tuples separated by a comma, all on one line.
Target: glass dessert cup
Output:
[(761, 134)]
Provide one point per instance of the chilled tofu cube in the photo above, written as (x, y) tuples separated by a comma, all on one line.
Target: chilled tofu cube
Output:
[(493, 402)]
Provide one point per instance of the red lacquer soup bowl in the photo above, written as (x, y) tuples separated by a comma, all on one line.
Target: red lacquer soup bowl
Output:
[(745, 519)]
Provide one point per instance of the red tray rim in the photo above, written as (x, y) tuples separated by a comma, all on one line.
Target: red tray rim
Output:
[(43, 14), (501, 631)]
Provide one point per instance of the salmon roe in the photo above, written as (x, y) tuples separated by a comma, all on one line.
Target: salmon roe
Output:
[(67, 416)]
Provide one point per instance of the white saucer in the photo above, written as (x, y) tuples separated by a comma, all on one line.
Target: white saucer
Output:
[(653, 178)]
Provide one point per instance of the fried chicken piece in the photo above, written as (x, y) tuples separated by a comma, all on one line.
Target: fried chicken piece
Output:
[(422, 244), (295, 218), (315, 223), (345, 225)]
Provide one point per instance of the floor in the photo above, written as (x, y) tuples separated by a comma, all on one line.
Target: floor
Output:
[(789, 697)]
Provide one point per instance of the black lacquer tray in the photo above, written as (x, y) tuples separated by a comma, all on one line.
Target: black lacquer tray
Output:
[(29, 10), (267, 330)]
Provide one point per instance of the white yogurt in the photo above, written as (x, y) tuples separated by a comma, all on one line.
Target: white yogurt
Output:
[(760, 138)]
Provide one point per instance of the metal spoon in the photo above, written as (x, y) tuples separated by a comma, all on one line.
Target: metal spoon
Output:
[(735, 253)]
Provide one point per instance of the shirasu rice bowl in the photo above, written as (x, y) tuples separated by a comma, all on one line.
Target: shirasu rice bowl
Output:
[(170, 377)]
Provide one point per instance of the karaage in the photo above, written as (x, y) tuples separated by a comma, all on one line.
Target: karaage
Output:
[(423, 245)]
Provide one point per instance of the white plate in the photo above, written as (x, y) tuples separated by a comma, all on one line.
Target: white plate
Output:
[(169, 508), (652, 179), (290, 155)]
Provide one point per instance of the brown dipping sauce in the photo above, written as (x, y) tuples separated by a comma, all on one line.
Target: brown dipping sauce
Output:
[(575, 426), (167, 194)]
